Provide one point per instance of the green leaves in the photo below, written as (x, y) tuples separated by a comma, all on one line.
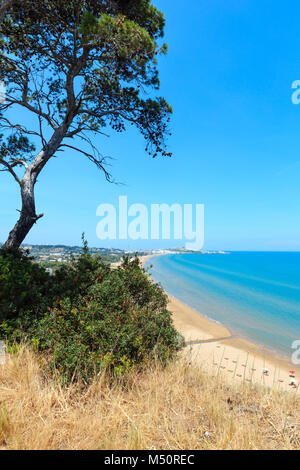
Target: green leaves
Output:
[(24, 286), (87, 317), (89, 27), (85, 63), (16, 146), (117, 34)]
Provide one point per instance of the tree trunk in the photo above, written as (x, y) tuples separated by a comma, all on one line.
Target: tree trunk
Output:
[(28, 215)]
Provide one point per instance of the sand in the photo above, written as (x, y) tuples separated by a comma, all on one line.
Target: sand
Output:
[(213, 346)]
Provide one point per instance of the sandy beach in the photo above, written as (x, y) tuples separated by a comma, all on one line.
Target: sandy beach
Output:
[(213, 346)]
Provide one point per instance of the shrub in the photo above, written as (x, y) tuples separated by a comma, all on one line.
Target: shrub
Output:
[(122, 321), (87, 316), (27, 290), (74, 279), (24, 285)]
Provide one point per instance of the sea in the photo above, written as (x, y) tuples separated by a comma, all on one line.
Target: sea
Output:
[(256, 295)]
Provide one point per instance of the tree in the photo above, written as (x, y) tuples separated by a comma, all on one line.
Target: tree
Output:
[(4, 6), (77, 67)]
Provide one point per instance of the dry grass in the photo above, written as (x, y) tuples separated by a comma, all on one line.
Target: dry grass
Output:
[(179, 407)]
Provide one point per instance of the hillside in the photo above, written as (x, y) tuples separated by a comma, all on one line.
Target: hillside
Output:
[(169, 408)]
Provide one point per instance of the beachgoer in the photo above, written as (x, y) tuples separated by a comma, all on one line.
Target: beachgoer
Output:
[(293, 383)]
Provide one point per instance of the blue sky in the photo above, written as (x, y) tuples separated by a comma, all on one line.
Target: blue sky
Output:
[(235, 142)]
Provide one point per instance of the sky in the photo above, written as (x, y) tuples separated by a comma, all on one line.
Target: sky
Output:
[(235, 137)]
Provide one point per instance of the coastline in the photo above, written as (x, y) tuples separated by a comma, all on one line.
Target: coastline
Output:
[(215, 349)]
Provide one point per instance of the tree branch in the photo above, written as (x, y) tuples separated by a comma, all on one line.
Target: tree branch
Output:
[(26, 105), (98, 162), (9, 168)]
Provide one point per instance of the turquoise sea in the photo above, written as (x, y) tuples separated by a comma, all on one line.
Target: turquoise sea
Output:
[(255, 294)]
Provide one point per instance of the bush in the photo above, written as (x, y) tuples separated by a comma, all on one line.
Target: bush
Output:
[(24, 285), (74, 279), (88, 317), (121, 321)]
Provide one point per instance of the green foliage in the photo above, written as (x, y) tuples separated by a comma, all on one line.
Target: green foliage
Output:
[(111, 46), (15, 146), (24, 285), (77, 67), (91, 318), (122, 320), (131, 39)]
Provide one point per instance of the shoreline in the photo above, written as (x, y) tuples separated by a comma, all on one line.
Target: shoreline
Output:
[(216, 349)]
